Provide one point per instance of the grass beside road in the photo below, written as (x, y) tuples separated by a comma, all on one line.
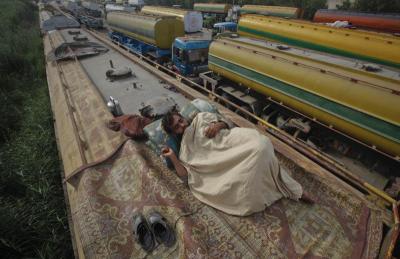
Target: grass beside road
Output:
[(33, 219)]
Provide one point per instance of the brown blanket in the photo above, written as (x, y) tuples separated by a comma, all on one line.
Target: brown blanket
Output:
[(131, 125)]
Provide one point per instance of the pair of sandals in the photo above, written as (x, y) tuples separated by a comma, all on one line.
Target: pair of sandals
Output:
[(154, 230)]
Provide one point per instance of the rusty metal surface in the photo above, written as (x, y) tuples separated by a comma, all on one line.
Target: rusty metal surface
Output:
[(80, 115), (131, 91)]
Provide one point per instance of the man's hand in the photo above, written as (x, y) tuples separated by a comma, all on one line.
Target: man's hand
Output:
[(167, 152), (180, 169), (213, 129)]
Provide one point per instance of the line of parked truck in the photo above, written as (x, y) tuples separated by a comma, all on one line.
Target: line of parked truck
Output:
[(86, 13), (167, 34)]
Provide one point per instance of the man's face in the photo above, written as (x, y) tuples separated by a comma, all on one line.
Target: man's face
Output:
[(179, 124)]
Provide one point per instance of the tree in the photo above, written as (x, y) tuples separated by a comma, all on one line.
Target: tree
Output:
[(377, 6), (346, 5), (311, 6)]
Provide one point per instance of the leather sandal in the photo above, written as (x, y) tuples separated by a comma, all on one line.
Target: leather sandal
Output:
[(160, 228), (143, 233)]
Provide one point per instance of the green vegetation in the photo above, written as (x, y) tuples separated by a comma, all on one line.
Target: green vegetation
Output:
[(373, 6), (33, 219)]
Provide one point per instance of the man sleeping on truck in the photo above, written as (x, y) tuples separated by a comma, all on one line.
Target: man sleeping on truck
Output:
[(232, 169)]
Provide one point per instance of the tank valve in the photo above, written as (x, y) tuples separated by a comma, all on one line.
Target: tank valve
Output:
[(371, 67), (114, 107)]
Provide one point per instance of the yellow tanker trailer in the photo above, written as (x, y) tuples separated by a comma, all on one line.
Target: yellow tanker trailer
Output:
[(271, 10), (212, 8), (145, 34), (192, 20), (373, 47), (365, 107)]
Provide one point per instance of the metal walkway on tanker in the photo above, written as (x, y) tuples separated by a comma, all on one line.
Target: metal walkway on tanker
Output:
[(131, 92)]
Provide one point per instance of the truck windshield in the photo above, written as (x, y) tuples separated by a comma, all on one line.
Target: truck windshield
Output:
[(192, 56), (180, 55), (197, 56)]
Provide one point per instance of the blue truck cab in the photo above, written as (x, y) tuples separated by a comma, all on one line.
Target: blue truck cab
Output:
[(190, 55), (222, 27)]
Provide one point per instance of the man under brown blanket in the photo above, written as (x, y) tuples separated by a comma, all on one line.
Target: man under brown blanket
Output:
[(233, 170)]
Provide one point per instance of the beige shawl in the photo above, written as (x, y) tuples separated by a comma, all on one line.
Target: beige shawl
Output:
[(237, 171)]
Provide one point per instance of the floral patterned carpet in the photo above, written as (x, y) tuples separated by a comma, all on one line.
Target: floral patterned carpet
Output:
[(339, 225)]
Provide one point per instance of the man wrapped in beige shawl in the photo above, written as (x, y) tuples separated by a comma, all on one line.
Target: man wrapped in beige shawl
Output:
[(233, 170)]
